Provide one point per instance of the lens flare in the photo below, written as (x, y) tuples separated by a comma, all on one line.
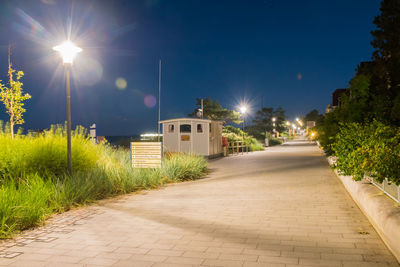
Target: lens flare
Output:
[(31, 28), (121, 83), (150, 101), (299, 76)]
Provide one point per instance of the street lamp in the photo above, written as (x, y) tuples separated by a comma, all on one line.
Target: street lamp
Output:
[(243, 110), (273, 124), (68, 52)]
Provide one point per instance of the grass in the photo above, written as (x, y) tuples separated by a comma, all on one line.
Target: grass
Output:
[(34, 183)]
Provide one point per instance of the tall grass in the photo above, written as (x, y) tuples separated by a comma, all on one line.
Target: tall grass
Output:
[(34, 183)]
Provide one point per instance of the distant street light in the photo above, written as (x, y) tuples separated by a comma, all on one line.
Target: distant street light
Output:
[(68, 52), (243, 110), (273, 124)]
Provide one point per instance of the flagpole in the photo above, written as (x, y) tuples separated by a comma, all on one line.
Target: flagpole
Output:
[(159, 98)]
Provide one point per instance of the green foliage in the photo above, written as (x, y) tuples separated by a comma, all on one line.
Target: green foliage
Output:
[(274, 142), (262, 122), (371, 149), (45, 153), (24, 203), (182, 167), (235, 134), (313, 115), (385, 75), (13, 97), (327, 130), (214, 111), (42, 186)]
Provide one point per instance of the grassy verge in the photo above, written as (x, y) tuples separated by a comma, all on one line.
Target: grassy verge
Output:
[(34, 183)]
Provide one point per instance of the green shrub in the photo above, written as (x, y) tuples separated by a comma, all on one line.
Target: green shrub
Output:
[(274, 142), (371, 149), (235, 134)]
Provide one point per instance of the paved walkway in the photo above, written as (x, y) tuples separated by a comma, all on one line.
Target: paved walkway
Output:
[(281, 207)]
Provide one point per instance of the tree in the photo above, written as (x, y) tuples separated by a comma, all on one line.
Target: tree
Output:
[(214, 111), (13, 97), (262, 122), (374, 92), (279, 115), (385, 80), (313, 115)]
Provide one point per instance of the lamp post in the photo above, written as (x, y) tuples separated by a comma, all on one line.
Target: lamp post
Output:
[(243, 110), (273, 124), (68, 52), (294, 128), (288, 127)]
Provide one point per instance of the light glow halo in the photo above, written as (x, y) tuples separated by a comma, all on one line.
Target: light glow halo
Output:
[(68, 51)]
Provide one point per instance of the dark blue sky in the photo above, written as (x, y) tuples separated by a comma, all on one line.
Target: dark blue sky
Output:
[(289, 53)]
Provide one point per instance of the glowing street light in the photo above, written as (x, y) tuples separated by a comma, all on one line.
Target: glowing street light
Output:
[(243, 110), (273, 124), (68, 51)]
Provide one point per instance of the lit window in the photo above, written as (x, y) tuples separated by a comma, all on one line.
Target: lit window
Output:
[(186, 128), (199, 128), (171, 128)]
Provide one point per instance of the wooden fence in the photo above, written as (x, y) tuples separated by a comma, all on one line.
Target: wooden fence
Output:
[(237, 147)]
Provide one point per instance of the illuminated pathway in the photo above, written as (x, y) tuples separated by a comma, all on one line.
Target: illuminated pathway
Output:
[(281, 207)]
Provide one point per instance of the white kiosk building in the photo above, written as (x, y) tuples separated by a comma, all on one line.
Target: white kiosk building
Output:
[(192, 135)]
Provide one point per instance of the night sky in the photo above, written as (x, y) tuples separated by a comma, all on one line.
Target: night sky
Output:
[(286, 53)]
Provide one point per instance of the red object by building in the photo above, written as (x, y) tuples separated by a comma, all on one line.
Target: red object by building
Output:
[(224, 141)]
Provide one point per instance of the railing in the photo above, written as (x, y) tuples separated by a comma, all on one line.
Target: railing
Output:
[(391, 190), (237, 147)]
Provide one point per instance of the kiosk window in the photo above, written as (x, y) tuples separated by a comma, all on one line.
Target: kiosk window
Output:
[(186, 128), (199, 128), (171, 128)]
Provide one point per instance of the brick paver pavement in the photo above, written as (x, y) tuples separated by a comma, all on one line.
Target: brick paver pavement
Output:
[(281, 207)]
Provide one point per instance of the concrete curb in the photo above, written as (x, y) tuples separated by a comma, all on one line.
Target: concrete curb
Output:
[(381, 211)]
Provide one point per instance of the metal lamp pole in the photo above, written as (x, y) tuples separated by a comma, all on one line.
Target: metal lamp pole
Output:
[(68, 88), (243, 110), (68, 51)]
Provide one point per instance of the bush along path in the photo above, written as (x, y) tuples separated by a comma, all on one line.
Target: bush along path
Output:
[(371, 149), (34, 183)]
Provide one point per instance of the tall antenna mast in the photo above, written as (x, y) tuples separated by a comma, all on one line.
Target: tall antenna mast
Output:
[(202, 109), (9, 54), (159, 98)]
